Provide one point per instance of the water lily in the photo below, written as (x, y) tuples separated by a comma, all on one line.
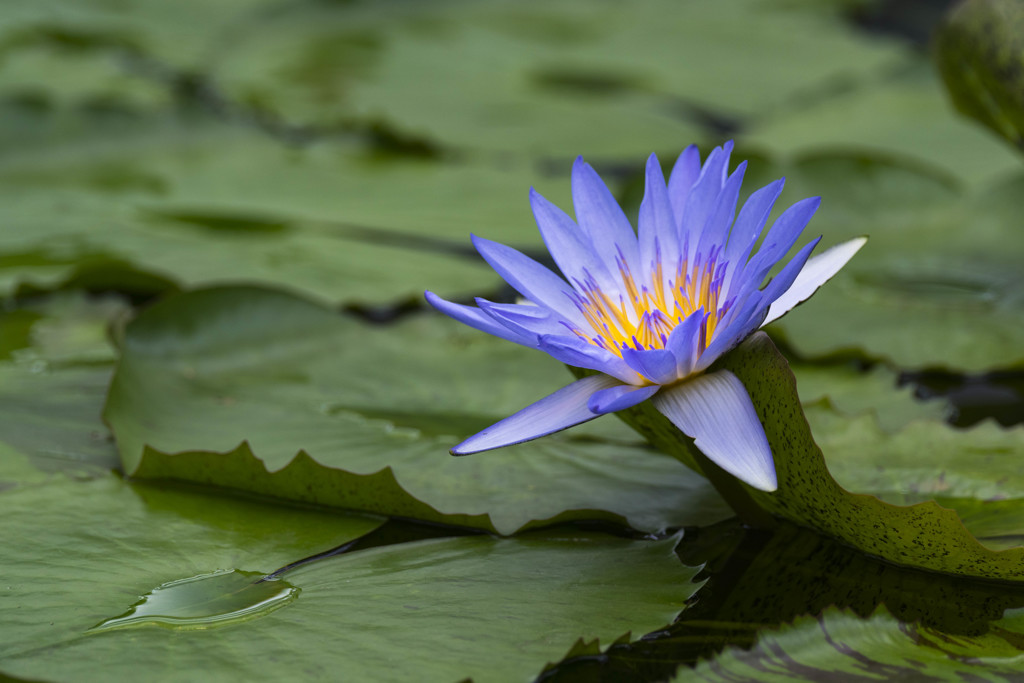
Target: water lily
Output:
[(651, 310)]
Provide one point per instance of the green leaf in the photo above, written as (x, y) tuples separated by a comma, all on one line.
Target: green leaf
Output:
[(937, 285), (53, 384), (259, 390), (841, 646), (925, 535), (901, 114), (976, 472), (852, 392), (980, 54), (195, 201), (442, 610), (546, 79)]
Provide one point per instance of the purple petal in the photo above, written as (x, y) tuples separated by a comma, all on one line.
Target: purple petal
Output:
[(818, 270), (659, 241), (477, 319), (715, 409), (752, 221), (657, 365), (525, 319), (684, 175), (684, 342), (715, 232), (602, 218), (578, 353), (781, 238), (787, 276), (529, 278), (620, 397), (702, 197), (743, 322), (569, 246), (564, 408)]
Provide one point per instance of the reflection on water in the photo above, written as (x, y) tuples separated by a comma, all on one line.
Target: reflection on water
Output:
[(758, 579)]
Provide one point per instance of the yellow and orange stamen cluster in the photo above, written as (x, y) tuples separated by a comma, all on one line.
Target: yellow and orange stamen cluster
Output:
[(643, 317)]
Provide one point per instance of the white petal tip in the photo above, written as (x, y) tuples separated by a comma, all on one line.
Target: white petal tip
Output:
[(766, 482)]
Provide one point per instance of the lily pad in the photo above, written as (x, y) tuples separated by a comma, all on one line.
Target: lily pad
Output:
[(480, 607), (181, 198), (262, 391), (548, 79), (904, 113), (937, 285), (925, 535), (851, 391)]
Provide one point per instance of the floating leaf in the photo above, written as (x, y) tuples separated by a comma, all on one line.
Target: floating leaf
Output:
[(262, 391), (547, 79), (493, 609), (901, 114), (937, 285)]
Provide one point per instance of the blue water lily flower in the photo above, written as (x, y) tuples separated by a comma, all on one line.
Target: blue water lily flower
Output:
[(651, 310)]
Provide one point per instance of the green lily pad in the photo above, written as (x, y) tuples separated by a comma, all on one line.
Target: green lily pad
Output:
[(852, 392), (53, 383), (903, 114), (839, 645), (493, 609), (938, 283), (925, 535), (549, 79), (975, 472), (262, 391), (196, 201)]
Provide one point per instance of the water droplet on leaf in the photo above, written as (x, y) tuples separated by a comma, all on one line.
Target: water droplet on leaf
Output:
[(206, 601)]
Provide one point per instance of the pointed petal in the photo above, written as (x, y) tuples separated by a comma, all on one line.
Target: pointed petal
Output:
[(569, 246), (701, 201), (657, 365), (818, 270), (716, 231), (477, 319), (742, 324), (781, 238), (578, 353), (684, 175), (748, 228), (529, 278), (658, 238), (564, 408), (716, 411), (684, 340), (787, 276), (601, 217), (524, 319), (620, 397)]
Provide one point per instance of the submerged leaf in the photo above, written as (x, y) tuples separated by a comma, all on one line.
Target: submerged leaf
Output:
[(841, 646)]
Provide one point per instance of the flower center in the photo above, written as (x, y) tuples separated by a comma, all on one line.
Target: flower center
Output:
[(643, 317)]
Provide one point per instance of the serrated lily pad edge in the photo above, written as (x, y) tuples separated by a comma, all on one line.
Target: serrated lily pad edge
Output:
[(307, 481)]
